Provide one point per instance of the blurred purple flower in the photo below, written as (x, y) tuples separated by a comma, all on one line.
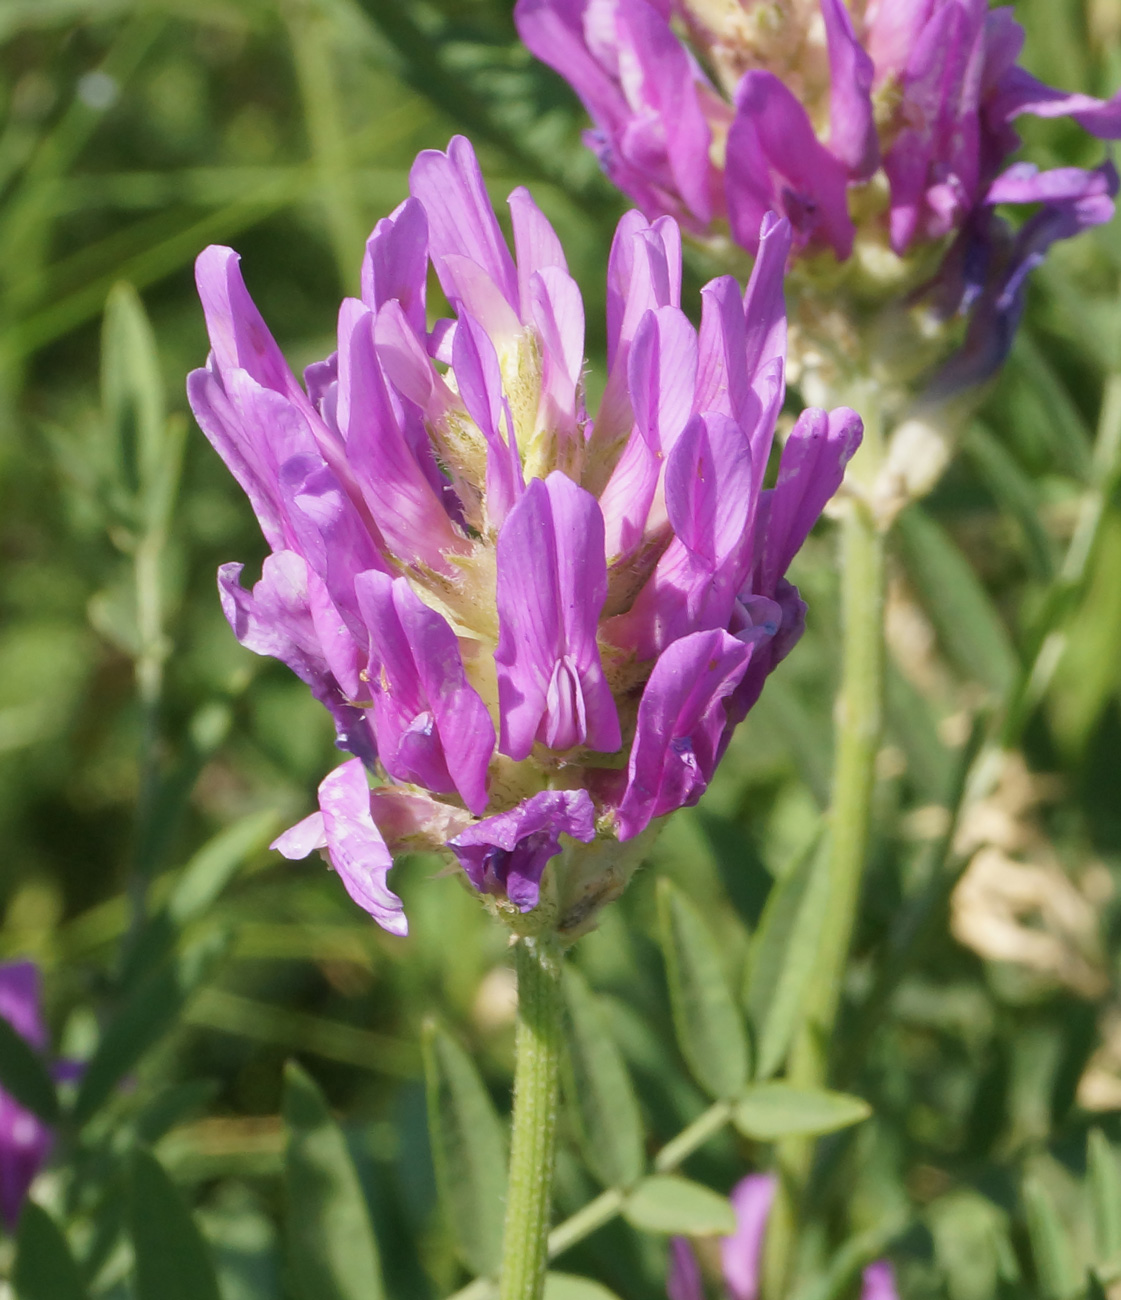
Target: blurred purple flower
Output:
[(536, 629), (805, 105), (742, 1253), (25, 1141)]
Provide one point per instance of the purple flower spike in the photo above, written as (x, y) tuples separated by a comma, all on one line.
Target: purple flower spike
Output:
[(507, 854), (527, 620), (913, 97), (25, 1141)]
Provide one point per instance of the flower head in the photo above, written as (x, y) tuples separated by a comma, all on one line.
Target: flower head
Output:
[(882, 131), (537, 629), (25, 1141), (741, 1254)]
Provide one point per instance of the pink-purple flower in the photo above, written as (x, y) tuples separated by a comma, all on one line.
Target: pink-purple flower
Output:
[(876, 129), (534, 629), (25, 1141), (741, 1254)]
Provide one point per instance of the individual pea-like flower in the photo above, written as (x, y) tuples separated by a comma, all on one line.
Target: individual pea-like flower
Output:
[(882, 130), (535, 629), (741, 1254), (25, 1141)]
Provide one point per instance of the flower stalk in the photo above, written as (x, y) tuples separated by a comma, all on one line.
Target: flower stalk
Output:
[(859, 727), (536, 1102)]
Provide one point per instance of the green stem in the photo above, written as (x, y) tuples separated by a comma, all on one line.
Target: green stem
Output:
[(533, 1142), (859, 728)]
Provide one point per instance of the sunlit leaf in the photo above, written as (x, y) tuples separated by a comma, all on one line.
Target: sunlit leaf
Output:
[(567, 1286), (776, 1110), (667, 1203)]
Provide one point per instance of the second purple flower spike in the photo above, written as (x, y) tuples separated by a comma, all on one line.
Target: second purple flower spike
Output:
[(534, 629)]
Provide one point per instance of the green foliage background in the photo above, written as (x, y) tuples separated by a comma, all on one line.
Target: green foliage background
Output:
[(146, 759)]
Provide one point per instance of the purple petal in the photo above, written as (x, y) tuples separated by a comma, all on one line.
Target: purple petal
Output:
[(643, 275), (25, 1141), (25, 1146), (662, 369), (302, 839), (742, 1253), (852, 127), (507, 854), (933, 165), (775, 163), (395, 267), (406, 509), (432, 727), (878, 1282), (557, 309), (552, 585), (536, 245), (461, 221), (479, 377), (683, 1281), (1020, 92), (708, 486), (238, 334), (812, 467), (680, 721), (21, 997), (275, 620), (355, 845), (255, 431)]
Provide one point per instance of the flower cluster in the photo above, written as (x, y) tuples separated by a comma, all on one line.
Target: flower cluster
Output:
[(741, 1254), (25, 1141), (526, 623), (881, 130)]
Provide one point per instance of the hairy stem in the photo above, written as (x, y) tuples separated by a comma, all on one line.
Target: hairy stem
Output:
[(533, 1142)]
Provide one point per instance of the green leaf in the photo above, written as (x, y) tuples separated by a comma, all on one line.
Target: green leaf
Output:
[(171, 1260), (468, 1150), (1051, 1251), (667, 1203), (777, 1110), (25, 1076), (1105, 1197), (967, 624), (599, 1090), (331, 1248), (783, 952), (708, 1023), (132, 397), (149, 1010), (567, 1286), (44, 1268)]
